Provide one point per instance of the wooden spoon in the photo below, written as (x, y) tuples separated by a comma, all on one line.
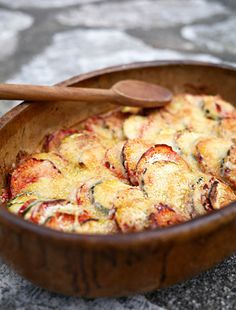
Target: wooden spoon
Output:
[(126, 92)]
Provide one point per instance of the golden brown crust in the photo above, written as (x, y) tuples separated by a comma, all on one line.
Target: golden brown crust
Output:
[(228, 169), (130, 170), (210, 153), (131, 152)]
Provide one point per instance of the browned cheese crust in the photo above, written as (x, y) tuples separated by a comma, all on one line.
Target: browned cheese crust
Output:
[(131, 169)]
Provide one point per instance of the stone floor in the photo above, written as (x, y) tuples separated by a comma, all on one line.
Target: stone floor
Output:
[(36, 37)]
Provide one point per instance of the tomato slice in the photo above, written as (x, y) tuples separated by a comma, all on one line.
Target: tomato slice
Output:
[(159, 153), (31, 171), (164, 216), (53, 141), (109, 125)]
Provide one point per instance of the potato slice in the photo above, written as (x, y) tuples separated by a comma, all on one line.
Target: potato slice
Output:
[(220, 194), (152, 128), (114, 161), (132, 210), (133, 126), (164, 216), (209, 194), (210, 152), (187, 141), (104, 193), (59, 162), (83, 149), (159, 153), (165, 178), (227, 129), (169, 184), (228, 169), (186, 113), (132, 151), (107, 126), (215, 108), (167, 136), (101, 226)]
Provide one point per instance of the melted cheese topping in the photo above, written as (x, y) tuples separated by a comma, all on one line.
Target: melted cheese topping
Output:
[(131, 169)]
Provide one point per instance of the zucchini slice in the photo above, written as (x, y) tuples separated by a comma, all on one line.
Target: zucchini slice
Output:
[(58, 213), (44, 209), (103, 194), (26, 208), (20, 202)]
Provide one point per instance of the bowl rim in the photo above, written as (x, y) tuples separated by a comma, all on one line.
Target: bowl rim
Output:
[(205, 223)]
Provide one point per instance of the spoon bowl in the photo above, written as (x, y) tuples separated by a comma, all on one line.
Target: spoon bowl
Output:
[(141, 94)]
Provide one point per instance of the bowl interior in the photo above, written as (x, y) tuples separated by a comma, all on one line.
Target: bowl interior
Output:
[(24, 127)]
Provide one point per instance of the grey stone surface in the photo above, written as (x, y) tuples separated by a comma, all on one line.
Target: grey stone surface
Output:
[(140, 13), (35, 39), (17, 293), (43, 4), (214, 289), (220, 38), (89, 49), (11, 23), (84, 51)]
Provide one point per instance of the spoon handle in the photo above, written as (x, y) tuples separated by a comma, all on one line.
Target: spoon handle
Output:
[(54, 93)]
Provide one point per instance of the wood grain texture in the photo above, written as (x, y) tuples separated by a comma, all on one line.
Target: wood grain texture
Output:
[(53, 93), (125, 92)]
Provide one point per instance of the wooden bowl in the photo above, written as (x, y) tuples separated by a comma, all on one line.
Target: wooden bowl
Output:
[(96, 265)]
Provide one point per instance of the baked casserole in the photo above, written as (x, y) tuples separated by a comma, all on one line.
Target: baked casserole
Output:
[(130, 169)]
